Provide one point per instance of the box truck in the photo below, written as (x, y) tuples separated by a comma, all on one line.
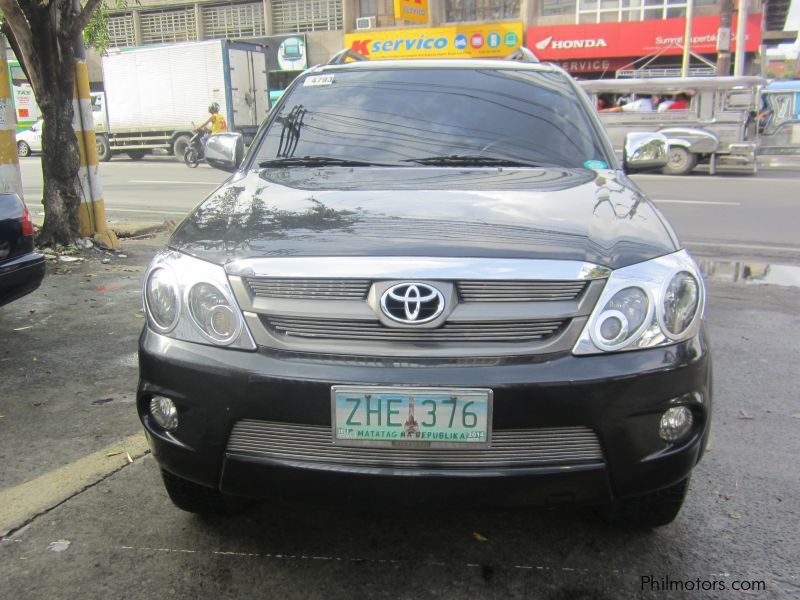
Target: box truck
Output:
[(154, 96)]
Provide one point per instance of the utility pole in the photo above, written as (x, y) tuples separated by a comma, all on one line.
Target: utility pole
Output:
[(10, 180), (92, 212), (687, 39), (724, 38), (741, 36)]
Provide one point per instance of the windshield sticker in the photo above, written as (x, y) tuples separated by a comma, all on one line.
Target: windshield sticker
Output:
[(318, 80), (595, 164)]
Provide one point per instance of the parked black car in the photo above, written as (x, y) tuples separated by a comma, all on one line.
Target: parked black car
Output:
[(21, 269), (429, 281)]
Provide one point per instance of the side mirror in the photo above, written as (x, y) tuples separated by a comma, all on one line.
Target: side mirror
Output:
[(644, 151), (225, 151)]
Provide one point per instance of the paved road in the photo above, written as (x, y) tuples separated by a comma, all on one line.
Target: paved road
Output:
[(731, 215)]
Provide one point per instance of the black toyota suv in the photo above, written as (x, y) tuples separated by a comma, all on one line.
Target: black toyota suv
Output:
[(428, 281)]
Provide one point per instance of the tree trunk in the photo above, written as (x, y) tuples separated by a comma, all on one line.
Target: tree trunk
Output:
[(61, 201), (48, 51)]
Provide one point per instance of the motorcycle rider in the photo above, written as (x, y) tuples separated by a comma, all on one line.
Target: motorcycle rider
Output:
[(215, 120)]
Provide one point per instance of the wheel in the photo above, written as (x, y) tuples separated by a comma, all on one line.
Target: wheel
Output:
[(180, 145), (190, 158), (136, 154), (648, 510), (103, 148), (23, 149), (195, 498), (679, 161)]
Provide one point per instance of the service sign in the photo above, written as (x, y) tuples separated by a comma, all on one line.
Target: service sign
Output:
[(633, 38), (460, 41), (415, 11)]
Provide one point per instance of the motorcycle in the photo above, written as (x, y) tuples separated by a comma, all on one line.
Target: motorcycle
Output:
[(195, 151)]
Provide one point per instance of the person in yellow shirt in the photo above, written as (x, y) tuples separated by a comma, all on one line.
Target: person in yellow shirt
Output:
[(216, 121)]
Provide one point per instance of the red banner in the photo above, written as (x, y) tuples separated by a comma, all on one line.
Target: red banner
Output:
[(634, 38)]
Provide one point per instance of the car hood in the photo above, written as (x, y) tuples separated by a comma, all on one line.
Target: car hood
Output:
[(538, 213)]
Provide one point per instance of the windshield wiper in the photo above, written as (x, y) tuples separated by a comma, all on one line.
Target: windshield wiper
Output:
[(319, 161), (473, 161)]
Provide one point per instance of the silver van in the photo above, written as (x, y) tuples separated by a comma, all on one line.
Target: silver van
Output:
[(716, 123)]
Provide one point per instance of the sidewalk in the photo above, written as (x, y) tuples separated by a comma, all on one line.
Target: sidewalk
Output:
[(68, 360)]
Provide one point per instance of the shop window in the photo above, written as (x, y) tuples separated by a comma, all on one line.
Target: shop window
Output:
[(233, 21), (120, 31), (168, 26), (481, 10), (291, 16)]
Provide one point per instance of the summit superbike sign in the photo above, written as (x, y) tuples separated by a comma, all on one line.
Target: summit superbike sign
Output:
[(478, 41)]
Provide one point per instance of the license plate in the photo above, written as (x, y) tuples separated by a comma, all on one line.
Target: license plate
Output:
[(411, 417)]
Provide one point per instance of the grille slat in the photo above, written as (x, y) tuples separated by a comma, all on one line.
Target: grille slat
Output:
[(479, 331), (469, 290), (309, 289), (519, 291), (514, 447)]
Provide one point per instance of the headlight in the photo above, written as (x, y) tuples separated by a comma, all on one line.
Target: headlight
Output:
[(190, 299), (162, 299), (654, 303)]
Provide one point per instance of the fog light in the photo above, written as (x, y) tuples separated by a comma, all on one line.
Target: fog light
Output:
[(675, 423), (164, 413)]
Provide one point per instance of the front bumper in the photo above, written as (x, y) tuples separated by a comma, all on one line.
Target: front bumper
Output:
[(620, 397)]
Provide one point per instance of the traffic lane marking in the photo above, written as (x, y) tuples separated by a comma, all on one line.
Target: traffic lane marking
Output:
[(174, 182), (24, 502), (736, 246), (714, 179), (702, 202)]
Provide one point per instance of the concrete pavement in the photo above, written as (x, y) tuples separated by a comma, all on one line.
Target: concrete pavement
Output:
[(120, 536)]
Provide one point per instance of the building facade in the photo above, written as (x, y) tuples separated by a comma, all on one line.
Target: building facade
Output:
[(590, 38)]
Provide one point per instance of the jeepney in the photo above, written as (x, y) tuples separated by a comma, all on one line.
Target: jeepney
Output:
[(779, 120), (718, 126)]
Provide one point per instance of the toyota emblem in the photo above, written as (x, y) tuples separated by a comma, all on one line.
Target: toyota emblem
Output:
[(412, 303)]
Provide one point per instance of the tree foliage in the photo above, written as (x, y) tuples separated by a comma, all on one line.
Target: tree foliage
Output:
[(46, 36)]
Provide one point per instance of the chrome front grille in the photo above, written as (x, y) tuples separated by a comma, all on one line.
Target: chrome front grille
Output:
[(356, 330), (493, 307), (509, 448), (519, 291), (308, 289)]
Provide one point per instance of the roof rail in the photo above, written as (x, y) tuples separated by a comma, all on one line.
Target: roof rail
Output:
[(342, 55), (522, 54)]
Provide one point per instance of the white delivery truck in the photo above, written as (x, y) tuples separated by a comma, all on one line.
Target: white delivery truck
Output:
[(155, 95)]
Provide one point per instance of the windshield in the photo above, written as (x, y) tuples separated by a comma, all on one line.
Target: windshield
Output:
[(421, 116)]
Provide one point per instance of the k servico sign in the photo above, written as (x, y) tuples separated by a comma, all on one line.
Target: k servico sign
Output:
[(475, 41), (633, 38)]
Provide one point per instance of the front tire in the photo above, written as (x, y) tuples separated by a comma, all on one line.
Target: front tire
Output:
[(195, 498), (648, 510), (23, 149), (679, 161), (191, 158), (103, 148)]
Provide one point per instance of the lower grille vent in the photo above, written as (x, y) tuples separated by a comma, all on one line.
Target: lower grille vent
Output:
[(509, 447), (356, 330)]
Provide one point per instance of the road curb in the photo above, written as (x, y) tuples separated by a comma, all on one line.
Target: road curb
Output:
[(22, 503)]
